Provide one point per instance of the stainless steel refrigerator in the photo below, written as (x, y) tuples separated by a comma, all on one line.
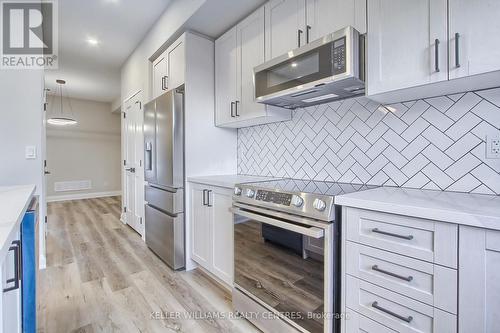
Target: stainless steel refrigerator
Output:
[(164, 173)]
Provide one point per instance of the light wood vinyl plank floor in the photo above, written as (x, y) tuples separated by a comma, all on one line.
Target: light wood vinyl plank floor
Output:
[(101, 277)]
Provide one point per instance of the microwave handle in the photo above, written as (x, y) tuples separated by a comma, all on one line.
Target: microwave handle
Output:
[(313, 232)]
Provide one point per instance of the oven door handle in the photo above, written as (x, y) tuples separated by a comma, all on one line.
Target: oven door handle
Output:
[(313, 232)]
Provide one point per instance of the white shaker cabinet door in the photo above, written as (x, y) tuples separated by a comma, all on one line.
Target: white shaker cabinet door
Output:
[(401, 45), (160, 69), (176, 65), (285, 26), (477, 26), (327, 16), (250, 36), (479, 276), (201, 227), (225, 77), (222, 221)]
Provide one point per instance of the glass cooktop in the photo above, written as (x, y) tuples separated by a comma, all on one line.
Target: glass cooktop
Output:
[(312, 186)]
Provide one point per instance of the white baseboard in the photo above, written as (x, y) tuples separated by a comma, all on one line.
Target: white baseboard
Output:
[(77, 196)]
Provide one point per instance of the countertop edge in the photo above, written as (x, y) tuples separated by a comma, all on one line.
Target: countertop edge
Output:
[(443, 215), (14, 225)]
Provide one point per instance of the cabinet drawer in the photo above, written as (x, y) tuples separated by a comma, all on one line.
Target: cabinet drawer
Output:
[(420, 280), (395, 311), (427, 240), (356, 323)]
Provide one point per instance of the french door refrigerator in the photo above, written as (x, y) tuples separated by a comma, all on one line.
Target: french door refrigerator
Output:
[(164, 174)]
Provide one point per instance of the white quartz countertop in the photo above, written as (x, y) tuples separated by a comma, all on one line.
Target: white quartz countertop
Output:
[(227, 181), (14, 201), (462, 208)]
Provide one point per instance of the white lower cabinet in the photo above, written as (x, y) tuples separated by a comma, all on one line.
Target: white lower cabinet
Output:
[(10, 301), (399, 273), (479, 283), (212, 230)]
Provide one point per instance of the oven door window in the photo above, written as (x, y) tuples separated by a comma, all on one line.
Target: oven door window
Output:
[(281, 269), (308, 67)]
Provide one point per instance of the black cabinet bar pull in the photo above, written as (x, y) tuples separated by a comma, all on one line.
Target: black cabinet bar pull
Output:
[(16, 247), (377, 269), (389, 312), (299, 33), (457, 50), (436, 55), (204, 198), (376, 230), (232, 109), (308, 30)]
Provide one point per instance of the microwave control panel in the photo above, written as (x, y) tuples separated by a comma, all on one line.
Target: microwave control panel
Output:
[(339, 56), (274, 197)]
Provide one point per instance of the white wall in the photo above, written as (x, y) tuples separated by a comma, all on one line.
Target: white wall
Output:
[(21, 125), (89, 150), (135, 71)]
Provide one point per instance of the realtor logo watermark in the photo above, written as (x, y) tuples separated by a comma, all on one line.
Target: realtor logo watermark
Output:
[(29, 38)]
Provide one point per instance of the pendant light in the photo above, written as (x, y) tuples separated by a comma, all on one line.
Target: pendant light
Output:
[(60, 118)]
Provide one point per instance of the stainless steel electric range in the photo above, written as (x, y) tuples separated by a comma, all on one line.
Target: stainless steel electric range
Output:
[(287, 254)]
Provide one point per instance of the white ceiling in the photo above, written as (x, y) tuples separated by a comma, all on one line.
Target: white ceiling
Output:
[(216, 16), (93, 72)]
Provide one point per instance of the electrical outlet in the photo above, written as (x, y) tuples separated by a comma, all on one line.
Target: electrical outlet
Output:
[(493, 147)]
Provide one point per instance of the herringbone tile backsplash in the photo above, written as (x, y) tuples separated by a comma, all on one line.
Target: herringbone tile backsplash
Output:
[(436, 143)]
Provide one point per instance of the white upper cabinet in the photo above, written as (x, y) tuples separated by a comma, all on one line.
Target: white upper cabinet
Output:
[(159, 75), (424, 48), (477, 24), (176, 65), (285, 26), (225, 77), (401, 46), (237, 52), (327, 16), (169, 69), (250, 53)]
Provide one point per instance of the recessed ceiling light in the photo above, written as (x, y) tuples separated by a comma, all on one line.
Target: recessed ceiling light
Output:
[(92, 41)]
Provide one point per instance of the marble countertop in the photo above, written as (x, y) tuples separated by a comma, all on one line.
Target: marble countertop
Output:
[(475, 210), (14, 201), (228, 181)]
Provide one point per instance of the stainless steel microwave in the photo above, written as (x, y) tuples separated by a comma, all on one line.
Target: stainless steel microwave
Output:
[(327, 69)]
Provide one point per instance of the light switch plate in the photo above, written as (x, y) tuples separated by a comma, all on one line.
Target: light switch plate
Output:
[(493, 146), (30, 152)]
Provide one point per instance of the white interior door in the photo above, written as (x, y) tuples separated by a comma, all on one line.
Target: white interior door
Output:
[(134, 169)]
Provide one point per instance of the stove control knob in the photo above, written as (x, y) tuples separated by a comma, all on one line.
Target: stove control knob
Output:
[(237, 191), (297, 201), (249, 193), (319, 204)]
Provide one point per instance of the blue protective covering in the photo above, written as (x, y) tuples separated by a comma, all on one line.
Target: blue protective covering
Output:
[(29, 272)]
